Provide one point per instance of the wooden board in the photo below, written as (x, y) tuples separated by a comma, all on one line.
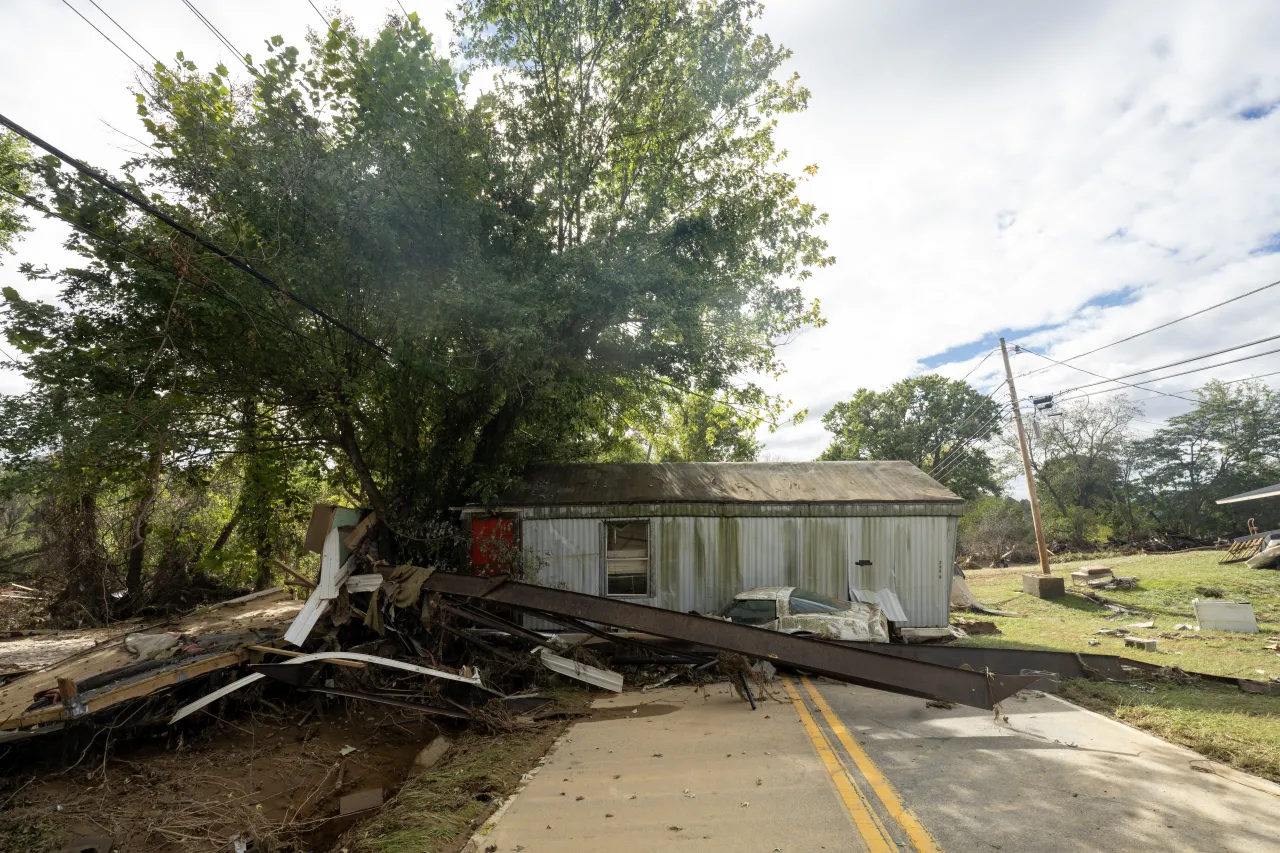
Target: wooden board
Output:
[(271, 612)]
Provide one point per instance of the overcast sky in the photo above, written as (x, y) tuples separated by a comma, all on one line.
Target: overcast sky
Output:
[(1062, 174)]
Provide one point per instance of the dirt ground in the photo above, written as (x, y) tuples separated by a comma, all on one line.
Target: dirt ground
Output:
[(268, 773)]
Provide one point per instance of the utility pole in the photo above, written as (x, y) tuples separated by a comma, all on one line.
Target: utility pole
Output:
[(1026, 463)]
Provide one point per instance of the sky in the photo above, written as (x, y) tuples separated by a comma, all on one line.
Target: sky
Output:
[(1064, 175)]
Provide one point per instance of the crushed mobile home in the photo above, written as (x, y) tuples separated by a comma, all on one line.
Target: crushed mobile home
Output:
[(689, 536)]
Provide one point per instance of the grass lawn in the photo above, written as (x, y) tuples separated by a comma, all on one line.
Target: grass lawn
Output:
[(1221, 722)]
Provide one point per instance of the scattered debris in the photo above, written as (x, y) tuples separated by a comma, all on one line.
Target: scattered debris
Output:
[(1147, 645), (938, 703), (602, 678), (432, 754), (1115, 583), (1225, 616), (360, 801), (1087, 574), (1148, 624), (974, 627)]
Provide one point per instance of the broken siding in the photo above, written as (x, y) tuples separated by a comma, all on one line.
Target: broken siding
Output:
[(567, 555), (699, 563)]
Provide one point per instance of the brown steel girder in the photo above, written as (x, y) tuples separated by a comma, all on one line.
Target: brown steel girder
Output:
[(853, 665)]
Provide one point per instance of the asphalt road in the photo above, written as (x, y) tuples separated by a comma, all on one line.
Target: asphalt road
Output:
[(830, 767), (1052, 778)]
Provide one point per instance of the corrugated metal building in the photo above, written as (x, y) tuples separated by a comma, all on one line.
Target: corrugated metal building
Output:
[(688, 536)]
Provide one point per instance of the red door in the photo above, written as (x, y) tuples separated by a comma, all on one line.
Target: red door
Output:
[(493, 545)]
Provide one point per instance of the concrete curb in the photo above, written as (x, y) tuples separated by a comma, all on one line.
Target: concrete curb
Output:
[(475, 844)]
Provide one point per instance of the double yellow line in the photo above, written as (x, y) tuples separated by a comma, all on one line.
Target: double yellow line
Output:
[(860, 808)]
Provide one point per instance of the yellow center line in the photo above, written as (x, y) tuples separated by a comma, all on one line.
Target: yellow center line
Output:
[(916, 833), (857, 806)]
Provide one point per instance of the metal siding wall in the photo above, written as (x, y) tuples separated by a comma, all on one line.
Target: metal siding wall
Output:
[(567, 551), (699, 563)]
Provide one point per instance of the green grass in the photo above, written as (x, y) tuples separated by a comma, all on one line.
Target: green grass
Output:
[(1166, 587), (1238, 729), (1219, 721)]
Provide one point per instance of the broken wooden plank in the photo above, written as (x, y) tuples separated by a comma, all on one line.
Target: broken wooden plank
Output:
[(359, 531), (329, 566), (144, 687), (363, 583), (315, 607), (310, 584)]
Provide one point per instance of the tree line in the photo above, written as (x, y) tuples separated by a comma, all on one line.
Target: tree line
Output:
[(1102, 480)]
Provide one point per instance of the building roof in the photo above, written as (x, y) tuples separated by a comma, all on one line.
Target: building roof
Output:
[(1255, 495), (727, 482)]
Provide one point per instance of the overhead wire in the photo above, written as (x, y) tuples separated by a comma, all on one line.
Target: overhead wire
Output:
[(950, 462), (1193, 370), (1024, 348), (155, 212), (35, 204), (1161, 326), (1183, 361)]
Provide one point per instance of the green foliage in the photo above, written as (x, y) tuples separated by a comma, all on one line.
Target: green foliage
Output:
[(938, 424), (1229, 443), (547, 269), (15, 176), (992, 526)]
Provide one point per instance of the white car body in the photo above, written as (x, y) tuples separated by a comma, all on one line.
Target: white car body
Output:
[(774, 608)]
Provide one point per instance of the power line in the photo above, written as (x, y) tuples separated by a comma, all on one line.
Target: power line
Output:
[(177, 226), (1227, 382), (104, 35), (36, 205), (1163, 325), (123, 30), (963, 446), (1178, 363), (1197, 369), (979, 364), (218, 34), (1023, 348)]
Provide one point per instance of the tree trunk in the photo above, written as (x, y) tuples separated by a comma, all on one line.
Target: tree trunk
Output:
[(137, 552)]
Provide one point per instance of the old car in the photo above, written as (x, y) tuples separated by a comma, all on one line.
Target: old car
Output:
[(793, 610)]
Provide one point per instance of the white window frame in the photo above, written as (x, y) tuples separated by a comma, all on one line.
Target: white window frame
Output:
[(648, 558)]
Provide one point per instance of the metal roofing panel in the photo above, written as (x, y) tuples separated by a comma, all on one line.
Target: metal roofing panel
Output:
[(887, 600), (726, 482), (1255, 495)]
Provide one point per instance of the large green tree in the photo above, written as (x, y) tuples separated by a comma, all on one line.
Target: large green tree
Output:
[(1229, 443), (940, 424), (504, 278)]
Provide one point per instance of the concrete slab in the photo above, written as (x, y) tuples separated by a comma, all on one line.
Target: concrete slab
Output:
[(1054, 779), (675, 769)]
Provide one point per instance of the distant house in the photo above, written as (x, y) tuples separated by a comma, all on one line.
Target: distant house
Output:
[(688, 536)]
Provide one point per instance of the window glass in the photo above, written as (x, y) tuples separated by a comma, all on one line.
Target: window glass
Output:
[(626, 557), (807, 601), (751, 611)]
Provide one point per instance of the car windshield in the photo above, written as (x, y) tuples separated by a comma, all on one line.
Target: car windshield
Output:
[(750, 611), (807, 601)]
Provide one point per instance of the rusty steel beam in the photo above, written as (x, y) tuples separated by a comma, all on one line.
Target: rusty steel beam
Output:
[(1066, 664), (854, 665)]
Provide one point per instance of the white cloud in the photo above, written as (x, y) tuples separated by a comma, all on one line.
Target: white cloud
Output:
[(975, 158)]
